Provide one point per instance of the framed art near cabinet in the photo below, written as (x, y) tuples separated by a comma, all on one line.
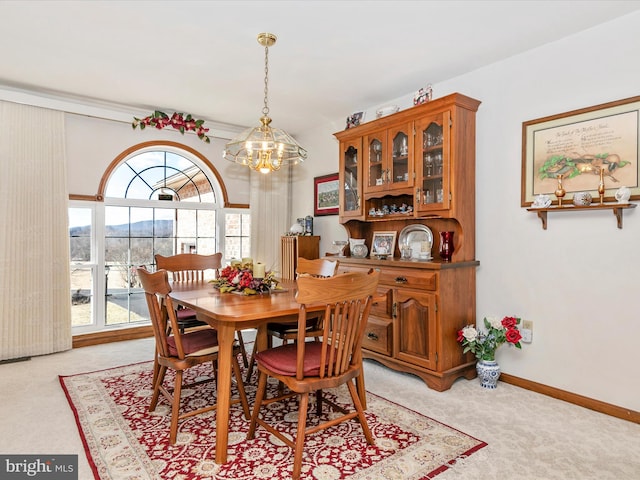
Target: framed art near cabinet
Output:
[(383, 243), (326, 195), (577, 145)]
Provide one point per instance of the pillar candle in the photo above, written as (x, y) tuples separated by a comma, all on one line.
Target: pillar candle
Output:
[(235, 263), (258, 270)]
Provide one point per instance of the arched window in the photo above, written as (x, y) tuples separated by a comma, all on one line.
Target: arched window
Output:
[(157, 199)]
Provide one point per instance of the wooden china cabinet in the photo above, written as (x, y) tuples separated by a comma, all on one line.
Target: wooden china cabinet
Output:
[(416, 169)]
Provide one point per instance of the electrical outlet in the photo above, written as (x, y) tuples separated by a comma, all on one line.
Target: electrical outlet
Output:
[(527, 331)]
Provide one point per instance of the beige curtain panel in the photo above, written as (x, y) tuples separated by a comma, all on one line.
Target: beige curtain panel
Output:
[(270, 214), (35, 307)]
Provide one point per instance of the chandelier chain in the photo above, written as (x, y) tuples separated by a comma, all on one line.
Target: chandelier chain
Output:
[(265, 109)]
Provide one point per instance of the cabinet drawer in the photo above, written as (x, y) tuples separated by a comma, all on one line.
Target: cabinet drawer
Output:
[(411, 278), (377, 336)]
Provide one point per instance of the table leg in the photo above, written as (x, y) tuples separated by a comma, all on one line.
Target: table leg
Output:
[(226, 336), (261, 338)]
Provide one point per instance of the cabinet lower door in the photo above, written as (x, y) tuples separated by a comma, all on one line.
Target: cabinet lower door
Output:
[(415, 328)]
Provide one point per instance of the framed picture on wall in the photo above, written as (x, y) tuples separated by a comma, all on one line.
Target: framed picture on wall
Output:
[(326, 195), (575, 146)]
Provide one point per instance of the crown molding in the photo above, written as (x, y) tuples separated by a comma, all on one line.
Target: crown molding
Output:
[(98, 109)]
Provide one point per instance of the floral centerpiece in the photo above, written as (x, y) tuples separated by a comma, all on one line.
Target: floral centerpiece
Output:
[(241, 279), (483, 344)]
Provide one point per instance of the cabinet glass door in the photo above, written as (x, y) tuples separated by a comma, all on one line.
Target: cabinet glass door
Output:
[(401, 155), (432, 169), (376, 161), (350, 191)]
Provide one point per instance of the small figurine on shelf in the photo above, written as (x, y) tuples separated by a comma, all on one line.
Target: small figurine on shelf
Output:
[(423, 95), (354, 119), (601, 186), (560, 191)]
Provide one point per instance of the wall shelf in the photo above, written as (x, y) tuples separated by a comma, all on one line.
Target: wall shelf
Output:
[(617, 209)]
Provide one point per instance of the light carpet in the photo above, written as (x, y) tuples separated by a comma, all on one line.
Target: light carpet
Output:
[(123, 440)]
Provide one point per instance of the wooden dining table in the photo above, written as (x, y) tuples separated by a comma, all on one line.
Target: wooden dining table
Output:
[(228, 312)]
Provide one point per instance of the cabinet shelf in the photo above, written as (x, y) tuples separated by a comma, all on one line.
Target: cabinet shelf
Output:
[(617, 209)]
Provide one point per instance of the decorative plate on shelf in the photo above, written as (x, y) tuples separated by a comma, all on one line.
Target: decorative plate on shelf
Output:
[(419, 238), (359, 251)]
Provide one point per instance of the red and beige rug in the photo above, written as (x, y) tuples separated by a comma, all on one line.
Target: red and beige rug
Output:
[(123, 440)]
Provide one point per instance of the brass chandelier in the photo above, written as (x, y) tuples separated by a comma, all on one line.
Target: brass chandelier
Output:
[(264, 148)]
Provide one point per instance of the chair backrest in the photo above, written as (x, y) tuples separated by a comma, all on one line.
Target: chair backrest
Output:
[(161, 310), (347, 299), (320, 267), (189, 267)]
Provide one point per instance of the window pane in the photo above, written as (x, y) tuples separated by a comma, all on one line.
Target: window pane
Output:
[(123, 308), (142, 222), (118, 182), (237, 229), (232, 248), (80, 234), (138, 189), (207, 223), (186, 245), (116, 250), (246, 225), (116, 221), (232, 225), (142, 252), (81, 297), (164, 246), (144, 160), (186, 223), (178, 161), (164, 222), (117, 278)]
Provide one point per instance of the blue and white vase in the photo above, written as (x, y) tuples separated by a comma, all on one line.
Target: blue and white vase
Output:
[(488, 373)]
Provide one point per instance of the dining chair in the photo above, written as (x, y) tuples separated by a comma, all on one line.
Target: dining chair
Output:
[(180, 351), (334, 360), (286, 331), (192, 267), (321, 268)]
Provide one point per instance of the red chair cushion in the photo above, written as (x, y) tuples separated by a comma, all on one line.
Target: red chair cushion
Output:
[(184, 313), (194, 341), (282, 360)]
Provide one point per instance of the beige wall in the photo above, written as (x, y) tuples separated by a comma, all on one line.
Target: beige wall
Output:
[(92, 144), (576, 280)]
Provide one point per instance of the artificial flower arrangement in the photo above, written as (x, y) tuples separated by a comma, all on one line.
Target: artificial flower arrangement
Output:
[(483, 344), (178, 121), (241, 279)]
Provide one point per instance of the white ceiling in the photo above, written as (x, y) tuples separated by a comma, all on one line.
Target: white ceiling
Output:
[(331, 58)]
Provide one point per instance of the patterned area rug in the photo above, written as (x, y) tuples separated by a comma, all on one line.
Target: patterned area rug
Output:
[(123, 440)]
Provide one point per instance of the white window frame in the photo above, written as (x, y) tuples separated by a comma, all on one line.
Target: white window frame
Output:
[(97, 263)]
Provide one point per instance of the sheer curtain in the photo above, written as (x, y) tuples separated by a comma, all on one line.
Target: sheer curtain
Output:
[(35, 306), (270, 214)]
